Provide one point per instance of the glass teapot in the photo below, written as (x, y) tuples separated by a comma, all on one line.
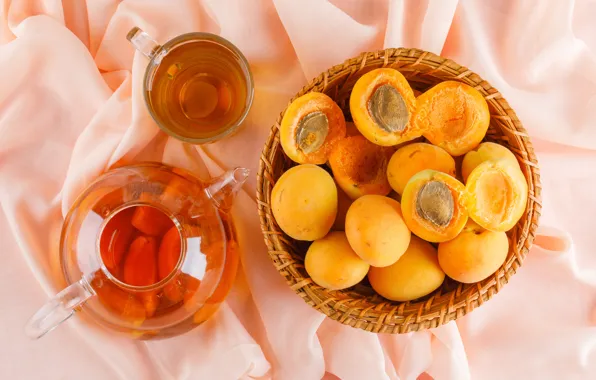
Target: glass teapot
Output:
[(147, 250)]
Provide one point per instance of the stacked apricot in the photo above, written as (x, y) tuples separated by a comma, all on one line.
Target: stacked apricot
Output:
[(384, 197)]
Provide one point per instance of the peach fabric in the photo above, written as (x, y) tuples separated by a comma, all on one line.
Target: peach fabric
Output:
[(71, 106)]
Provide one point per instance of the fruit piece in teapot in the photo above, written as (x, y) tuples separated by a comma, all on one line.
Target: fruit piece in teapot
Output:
[(453, 116), (169, 252), (413, 158), (150, 300), (433, 206), (230, 268), (376, 230), (474, 254), (360, 167), (416, 273), (151, 221), (496, 195), (311, 125), (304, 202), (122, 303), (115, 239), (487, 151), (382, 104), (174, 289), (333, 264), (140, 266)]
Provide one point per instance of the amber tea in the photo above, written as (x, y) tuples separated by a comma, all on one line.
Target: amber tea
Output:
[(198, 86)]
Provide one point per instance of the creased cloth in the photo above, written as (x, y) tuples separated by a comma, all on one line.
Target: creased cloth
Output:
[(71, 107)]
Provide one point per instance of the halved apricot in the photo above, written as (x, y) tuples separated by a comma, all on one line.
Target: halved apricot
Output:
[(310, 127), (496, 195), (433, 206), (413, 158), (360, 167), (452, 115), (487, 151), (382, 104)]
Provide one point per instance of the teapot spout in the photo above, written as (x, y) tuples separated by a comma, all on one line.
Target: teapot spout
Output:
[(223, 189)]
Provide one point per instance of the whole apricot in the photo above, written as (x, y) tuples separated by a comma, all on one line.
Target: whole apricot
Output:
[(474, 254), (413, 158), (452, 115), (360, 167), (433, 206), (304, 202), (376, 230), (310, 127), (416, 274), (333, 264), (382, 104), (496, 195), (487, 151)]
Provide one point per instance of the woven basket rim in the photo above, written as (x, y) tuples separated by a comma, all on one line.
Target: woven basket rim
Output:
[(369, 311)]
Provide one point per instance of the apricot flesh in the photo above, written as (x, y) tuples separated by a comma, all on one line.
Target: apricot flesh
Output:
[(487, 151), (382, 104), (416, 274), (453, 116), (140, 266), (310, 127), (413, 158), (304, 202), (474, 254), (360, 167), (496, 195), (376, 230), (333, 264), (433, 206)]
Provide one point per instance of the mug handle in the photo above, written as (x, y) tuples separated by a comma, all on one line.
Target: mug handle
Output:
[(143, 42), (58, 309)]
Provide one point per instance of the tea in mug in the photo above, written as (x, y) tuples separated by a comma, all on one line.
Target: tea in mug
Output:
[(200, 89)]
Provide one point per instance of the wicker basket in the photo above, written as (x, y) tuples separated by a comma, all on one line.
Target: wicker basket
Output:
[(360, 306)]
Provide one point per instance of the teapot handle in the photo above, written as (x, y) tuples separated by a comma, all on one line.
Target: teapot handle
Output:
[(58, 309)]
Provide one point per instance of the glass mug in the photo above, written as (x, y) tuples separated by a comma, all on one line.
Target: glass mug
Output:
[(147, 250), (198, 86)]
